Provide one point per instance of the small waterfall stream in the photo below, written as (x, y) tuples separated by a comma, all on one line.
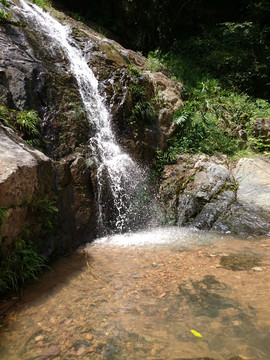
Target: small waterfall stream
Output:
[(117, 173)]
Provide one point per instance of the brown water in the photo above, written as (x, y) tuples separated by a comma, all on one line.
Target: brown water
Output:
[(132, 302)]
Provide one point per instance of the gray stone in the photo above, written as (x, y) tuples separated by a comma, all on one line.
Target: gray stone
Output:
[(22, 75), (212, 210), (244, 221), (25, 173), (202, 191), (253, 177)]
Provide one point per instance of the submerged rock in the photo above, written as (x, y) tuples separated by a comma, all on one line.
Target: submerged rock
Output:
[(240, 262)]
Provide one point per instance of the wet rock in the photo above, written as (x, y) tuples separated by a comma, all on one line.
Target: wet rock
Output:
[(240, 262), (189, 185), (118, 70), (213, 210), (77, 206), (22, 76), (51, 352), (243, 220)]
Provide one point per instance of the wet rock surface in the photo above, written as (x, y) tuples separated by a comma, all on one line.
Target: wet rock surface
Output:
[(212, 193), (22, 75), (121, 72)]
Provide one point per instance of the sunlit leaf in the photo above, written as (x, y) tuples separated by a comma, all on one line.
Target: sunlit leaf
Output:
[(196, 333)]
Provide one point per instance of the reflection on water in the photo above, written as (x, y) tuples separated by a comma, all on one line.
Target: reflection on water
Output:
[(120, 300)]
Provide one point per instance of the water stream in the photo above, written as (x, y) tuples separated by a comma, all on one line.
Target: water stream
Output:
[(117, 173), (138, 296)]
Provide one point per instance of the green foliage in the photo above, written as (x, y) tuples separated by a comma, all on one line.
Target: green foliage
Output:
[(20, 263), (5, 116), (154, 62), (44, 209), (44, 4), (25, 122), (133, 71), (215, 121), (4, 16), (2, 215), (143, 109), (5, 3), (237, 54)]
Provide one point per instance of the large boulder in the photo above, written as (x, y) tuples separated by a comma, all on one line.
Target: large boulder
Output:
[(253, 178), (30, 181), (26, 175), (212, 193)]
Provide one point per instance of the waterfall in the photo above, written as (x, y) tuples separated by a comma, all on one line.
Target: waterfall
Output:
[(117, 173)]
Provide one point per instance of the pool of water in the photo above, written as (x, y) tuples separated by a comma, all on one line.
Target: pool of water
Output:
[(139, 295)]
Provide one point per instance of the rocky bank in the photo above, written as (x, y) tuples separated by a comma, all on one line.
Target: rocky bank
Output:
[(214, 193)]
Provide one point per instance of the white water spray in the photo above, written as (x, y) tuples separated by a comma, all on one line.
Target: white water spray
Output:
[(122, 175)]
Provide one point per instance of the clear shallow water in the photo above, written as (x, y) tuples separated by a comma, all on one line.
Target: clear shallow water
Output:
[(138, 299)]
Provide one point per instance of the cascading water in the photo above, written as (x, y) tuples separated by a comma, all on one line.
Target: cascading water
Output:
[(117, 173)]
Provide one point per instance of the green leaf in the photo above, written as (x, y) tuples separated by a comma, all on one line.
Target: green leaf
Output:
[(196, 333), (54, 208)]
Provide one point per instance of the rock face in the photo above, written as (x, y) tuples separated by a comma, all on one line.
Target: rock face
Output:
[(30, 182), (36, 76), (142, 103), (25, 175), (253, 177), (211, 193)]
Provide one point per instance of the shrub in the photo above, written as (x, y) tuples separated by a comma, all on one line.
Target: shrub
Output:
[(21, 262), (237, 54), (213, 121), (5, 3), (4, 16), (42, 3), (25, 122)]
